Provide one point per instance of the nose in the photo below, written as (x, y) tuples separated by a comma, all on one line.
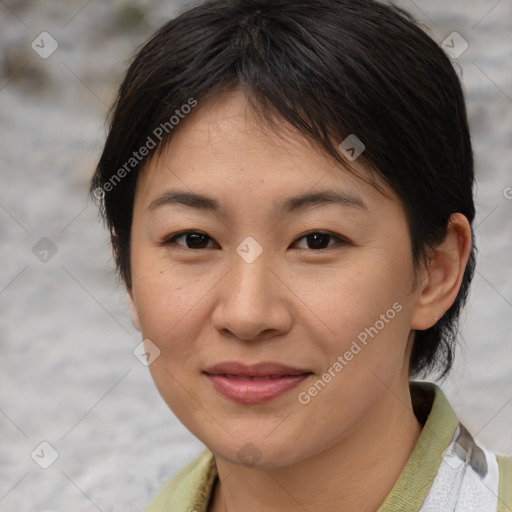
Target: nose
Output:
[(253, 303)]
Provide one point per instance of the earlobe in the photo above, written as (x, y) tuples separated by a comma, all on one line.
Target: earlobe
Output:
[(133, 309), (443, 277)]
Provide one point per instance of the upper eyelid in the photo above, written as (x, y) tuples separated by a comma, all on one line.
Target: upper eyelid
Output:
[(171, 238), (337, 238)]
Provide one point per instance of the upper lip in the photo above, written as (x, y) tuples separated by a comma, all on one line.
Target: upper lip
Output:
[(262, 369)]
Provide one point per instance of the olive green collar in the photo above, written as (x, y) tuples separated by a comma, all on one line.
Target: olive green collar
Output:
[(439, 421)]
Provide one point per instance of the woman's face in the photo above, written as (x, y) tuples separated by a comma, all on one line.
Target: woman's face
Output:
[(321, 287)]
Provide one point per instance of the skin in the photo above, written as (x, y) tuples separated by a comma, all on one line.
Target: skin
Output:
[(295, 304)]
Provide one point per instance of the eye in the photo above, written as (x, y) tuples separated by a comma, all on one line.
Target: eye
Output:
[(193, 240), (317, 240)]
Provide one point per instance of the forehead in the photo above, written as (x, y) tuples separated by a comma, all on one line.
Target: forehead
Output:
[(223, 147)]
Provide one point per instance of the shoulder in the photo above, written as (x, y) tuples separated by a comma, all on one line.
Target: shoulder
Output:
[(457, 472), (190, 488), (505, 486)]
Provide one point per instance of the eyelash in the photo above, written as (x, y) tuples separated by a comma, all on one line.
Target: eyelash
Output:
[(171, 240)]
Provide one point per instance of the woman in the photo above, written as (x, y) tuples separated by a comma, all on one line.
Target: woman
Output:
[(289, 190)]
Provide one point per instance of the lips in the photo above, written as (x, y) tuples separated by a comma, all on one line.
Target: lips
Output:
[(252, 384)]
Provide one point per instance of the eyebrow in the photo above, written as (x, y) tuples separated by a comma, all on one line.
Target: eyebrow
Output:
[(291, 204)]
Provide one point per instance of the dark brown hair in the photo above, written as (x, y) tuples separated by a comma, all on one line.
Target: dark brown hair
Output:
[(329, 68)]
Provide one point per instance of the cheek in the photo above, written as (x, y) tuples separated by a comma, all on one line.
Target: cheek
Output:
[(366, 308), (174, 304), (171, 312), (372, 290), (336, 302), (166, 299)]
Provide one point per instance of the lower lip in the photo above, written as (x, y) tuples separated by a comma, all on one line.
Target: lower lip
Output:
[(255, 391)]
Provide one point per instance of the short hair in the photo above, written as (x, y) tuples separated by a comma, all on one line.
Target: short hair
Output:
[(329, 69)]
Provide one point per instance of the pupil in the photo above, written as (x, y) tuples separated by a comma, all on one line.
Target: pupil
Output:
[(197, 240), (318, 241)]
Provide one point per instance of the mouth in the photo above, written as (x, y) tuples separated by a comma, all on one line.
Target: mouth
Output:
[(253, 384)]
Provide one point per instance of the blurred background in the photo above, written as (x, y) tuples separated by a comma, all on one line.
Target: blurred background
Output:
[(68, 375)]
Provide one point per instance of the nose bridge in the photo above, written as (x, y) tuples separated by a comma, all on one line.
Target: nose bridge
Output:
[(251, 276), (251, 300)]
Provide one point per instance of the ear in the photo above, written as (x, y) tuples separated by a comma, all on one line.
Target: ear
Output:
[(442, 279), (133, 309)]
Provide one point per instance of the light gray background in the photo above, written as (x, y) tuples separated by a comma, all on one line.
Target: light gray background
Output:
[(67, 372)]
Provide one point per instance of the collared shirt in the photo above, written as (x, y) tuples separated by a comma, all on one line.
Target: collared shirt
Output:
[(446, 472)]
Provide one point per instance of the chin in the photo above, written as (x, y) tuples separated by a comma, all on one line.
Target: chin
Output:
[(256, 453)]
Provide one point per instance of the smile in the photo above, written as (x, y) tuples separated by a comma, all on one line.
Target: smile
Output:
[(253, 384)]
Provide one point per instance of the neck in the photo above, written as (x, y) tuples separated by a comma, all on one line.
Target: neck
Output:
[(356, 474)]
